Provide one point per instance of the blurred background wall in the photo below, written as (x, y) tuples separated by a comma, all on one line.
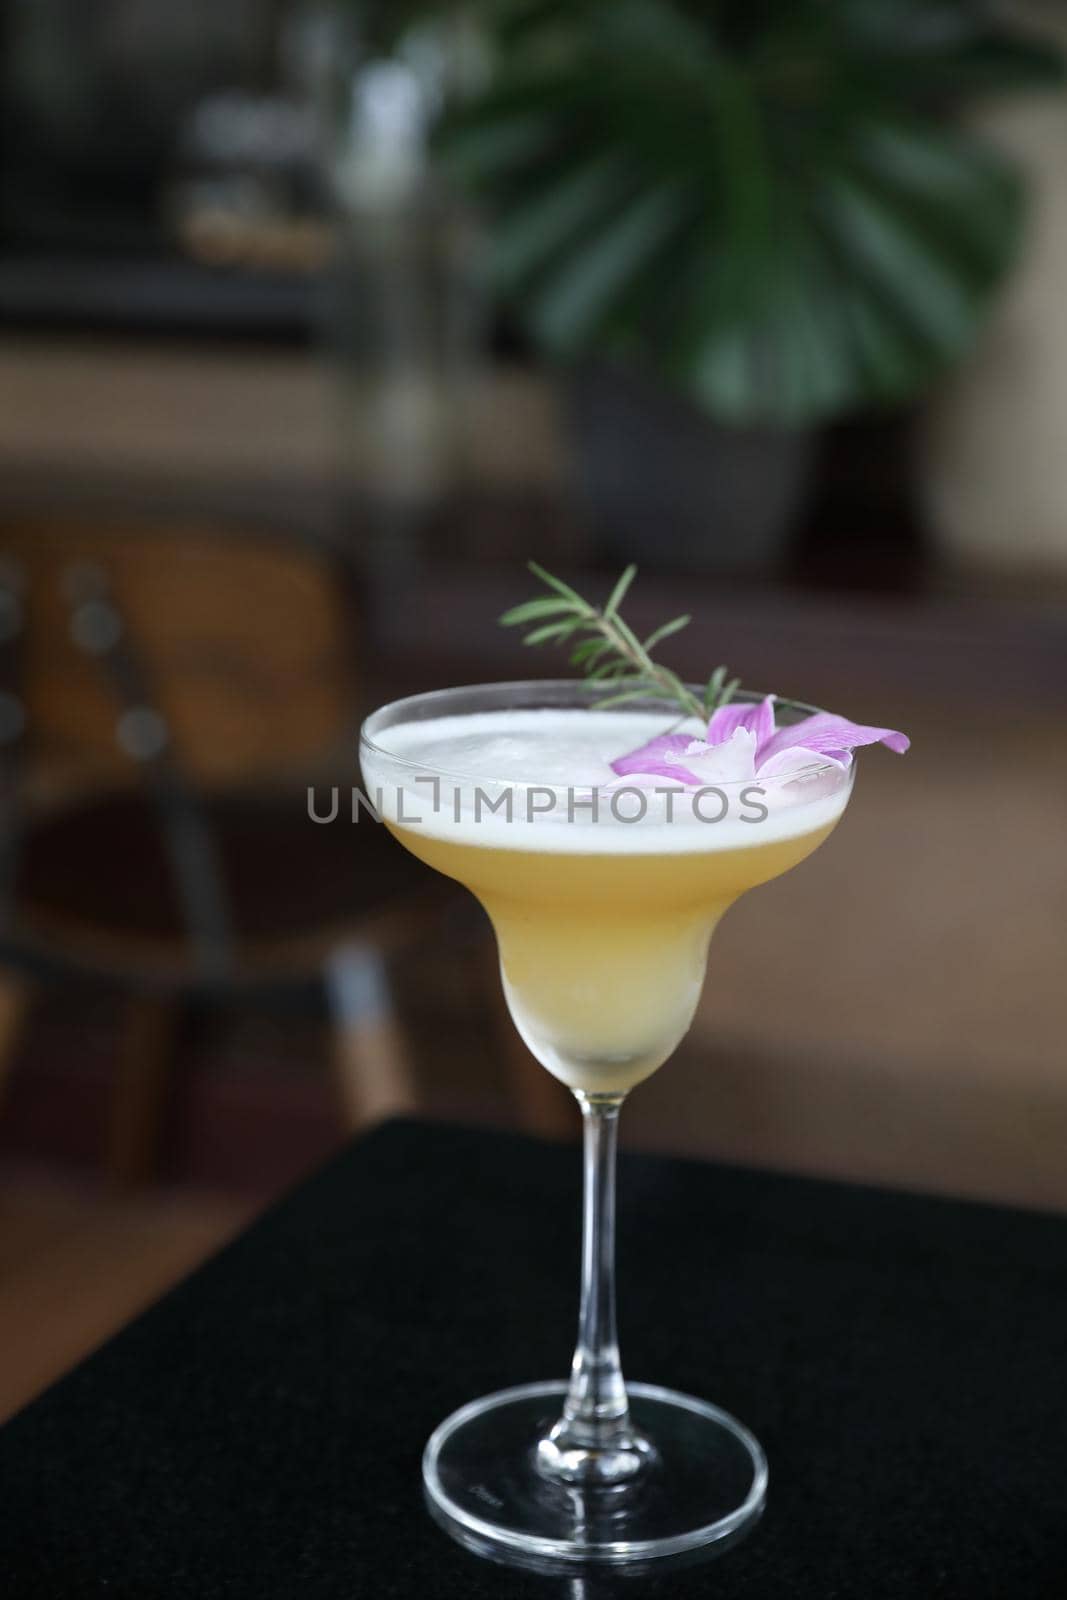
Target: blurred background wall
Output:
[(317, 321)]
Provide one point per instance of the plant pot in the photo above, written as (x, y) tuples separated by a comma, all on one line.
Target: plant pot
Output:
[(994, 468), (668, 488)]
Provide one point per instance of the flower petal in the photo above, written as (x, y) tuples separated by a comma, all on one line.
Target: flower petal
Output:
[(798, 759), (660, 757), (693, 761), (832, 735), (743, 714), (733, 761)]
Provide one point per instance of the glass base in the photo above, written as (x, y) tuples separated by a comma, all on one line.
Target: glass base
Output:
[(706, 1478)]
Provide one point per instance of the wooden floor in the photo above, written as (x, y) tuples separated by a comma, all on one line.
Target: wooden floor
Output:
[(75, 1266)]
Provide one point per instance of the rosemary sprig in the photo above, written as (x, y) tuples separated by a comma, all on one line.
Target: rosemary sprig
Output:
[(607, 649)]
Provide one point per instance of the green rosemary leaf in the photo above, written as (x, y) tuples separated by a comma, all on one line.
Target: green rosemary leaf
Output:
[(614, 668), (560, 587), (618, 594), (530, 610), (714, 688), (611, 653), (664, 631), (552, 630), (588, 652)]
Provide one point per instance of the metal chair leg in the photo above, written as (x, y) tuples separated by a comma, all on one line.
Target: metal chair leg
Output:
[(16, 998), (142, 1079)]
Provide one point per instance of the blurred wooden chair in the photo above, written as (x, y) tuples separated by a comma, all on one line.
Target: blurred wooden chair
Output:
[(169, 696)]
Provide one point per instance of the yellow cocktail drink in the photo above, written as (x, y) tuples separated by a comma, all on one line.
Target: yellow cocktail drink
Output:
[(602, 926), (603, 956)]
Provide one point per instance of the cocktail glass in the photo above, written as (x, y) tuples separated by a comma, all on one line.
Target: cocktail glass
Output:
[(602, 918)]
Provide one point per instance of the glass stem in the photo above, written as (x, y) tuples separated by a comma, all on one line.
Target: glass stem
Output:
[(597, 1393), (594, 1441)]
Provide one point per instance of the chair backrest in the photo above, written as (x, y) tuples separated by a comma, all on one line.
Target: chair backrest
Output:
[(245, 639)]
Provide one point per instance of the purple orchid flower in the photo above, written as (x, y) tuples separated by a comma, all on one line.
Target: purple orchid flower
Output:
[(743, 743)]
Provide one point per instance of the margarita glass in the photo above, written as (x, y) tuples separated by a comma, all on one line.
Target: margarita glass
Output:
[(603, 893)]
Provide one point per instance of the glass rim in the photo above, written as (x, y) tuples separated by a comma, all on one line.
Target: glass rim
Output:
[(576, 686)]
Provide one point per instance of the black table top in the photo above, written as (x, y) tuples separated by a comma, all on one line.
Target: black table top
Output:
[(258, 1433)]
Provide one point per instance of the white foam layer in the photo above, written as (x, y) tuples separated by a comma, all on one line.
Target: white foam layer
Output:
[(549, 762)]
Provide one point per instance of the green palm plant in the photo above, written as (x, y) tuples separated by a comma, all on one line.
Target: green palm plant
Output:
[(771, 204)]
